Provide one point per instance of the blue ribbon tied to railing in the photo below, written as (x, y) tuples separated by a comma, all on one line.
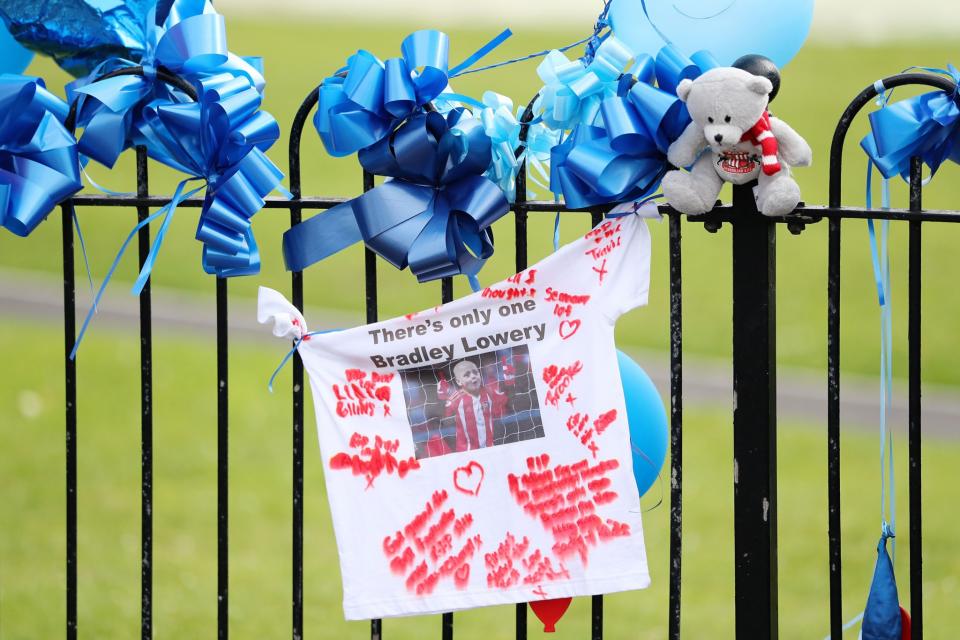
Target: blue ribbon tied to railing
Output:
[(621, 153), (925, 126), (221, 140), (38, 157), (502, 126), (434, 215), (366, 100), (191, 42)]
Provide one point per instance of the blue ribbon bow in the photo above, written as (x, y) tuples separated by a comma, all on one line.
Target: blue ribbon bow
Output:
[(927, 126), (502, 126), (620, 153), (433, 216), (367, 99), (221, 140), (38, 157), (191, 42)]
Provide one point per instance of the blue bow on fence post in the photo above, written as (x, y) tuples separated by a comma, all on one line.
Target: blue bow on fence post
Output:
[(219, 141), (434, 215), (925, 126), (39, 165), (618, 151), (190, 42), (367, 99)]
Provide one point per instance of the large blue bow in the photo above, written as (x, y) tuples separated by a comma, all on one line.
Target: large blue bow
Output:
[(433, 216), (367, 99), (191, 42), (621, 154), (38, 156), (926, 126), (219, 139)]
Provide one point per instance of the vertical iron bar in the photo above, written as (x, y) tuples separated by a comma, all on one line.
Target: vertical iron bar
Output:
[(296, 281), (676, 424), (70, 401), (596, 604), (222, 467), (146, 413), (370, 274), (446, 294), (833, 428), (520, 231), (916, 501), (754, 419)]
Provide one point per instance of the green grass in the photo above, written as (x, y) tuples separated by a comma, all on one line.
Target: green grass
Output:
[(32, 510), (817, 86)]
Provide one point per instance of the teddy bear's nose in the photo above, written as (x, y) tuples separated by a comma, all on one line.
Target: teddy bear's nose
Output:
[(718, 137)]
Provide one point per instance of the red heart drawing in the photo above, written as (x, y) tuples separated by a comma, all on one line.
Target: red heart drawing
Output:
[(462, 576), (568, 328), (467, 479)]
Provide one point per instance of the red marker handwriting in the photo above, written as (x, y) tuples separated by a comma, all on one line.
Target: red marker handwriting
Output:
[(604, 421), (431, 547), (372, 461), (602, 271), (564, 303), (513, 563), (362, 393), (558, 380), (565, 499)]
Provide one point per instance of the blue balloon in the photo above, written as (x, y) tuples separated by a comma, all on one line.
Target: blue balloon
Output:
[(727, 28), (647, 421), (13, 57)]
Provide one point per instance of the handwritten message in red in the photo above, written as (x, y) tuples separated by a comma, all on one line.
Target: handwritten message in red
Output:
[(363, 394), (373, 460), (558, 381), (565, 498), (433, 546)]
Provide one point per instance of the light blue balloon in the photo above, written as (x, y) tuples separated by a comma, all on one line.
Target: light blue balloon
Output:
[(727, 28), (647, 422), (13, 57)]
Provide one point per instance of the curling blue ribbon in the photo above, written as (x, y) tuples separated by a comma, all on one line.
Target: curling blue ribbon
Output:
[(433, 216), (502, 126), (220, 141), (191, 42), (880, 254), (925, 126), (366, 100), (39, 165), (620, 154)]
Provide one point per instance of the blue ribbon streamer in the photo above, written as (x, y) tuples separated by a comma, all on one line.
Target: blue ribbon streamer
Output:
[(190, 42), (880, 256), (618, 149), (368, 99), (925, 126), (39, 165), (433, 216)]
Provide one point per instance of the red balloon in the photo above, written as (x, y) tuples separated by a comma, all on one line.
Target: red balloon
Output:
[(550, 611), (904, 624)]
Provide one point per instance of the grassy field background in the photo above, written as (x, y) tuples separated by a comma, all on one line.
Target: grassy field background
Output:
[(817, 86)]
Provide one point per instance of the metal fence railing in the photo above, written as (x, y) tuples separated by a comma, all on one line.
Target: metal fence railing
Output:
[(754, 366)]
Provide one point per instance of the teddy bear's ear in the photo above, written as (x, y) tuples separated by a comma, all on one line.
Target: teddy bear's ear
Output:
[(683, 89), (760, 85)]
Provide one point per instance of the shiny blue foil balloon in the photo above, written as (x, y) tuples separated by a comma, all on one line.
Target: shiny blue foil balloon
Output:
[(13, 57), (727, 28), (79, 34), (647, 421)]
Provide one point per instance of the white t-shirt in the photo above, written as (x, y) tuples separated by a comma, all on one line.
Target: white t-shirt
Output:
[(477, 453)]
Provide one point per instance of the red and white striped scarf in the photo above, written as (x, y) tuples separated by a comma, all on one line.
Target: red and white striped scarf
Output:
[(761, 136)]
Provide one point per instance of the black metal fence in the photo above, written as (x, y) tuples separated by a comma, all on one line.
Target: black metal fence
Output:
[(754, 366)]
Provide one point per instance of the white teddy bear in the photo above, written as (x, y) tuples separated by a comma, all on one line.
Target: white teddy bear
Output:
[(729, 111)]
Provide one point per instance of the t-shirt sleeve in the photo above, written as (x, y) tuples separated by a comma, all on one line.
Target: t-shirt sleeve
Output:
[(619, 250)]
